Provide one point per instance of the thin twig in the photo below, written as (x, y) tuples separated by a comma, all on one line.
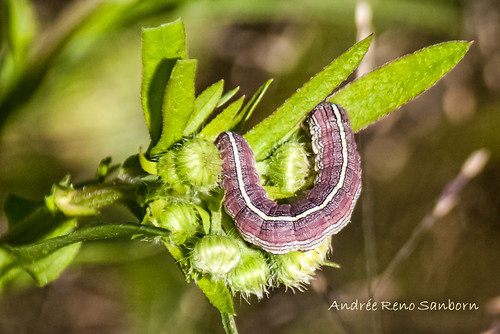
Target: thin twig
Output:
[(363, 19), (446, 202)]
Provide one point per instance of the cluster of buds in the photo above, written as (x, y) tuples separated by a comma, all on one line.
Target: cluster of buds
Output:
[(250, 271), (218, 252)]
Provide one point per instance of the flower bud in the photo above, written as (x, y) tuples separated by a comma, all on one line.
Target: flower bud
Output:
[(180, 219), (215, 255), (199, 164), (251, 275), (289, 166), (168, 172), (295, 269)]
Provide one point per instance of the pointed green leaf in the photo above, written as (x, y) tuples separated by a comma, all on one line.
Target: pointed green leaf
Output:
[(217, 293), (44, 268), (265, 135), (248, 109), (223, 121), (46, 259), (390, 86), (203, 106), (205, 218), (178, 104), (226, 97), (38, 250), (50, 267), (161, 47)]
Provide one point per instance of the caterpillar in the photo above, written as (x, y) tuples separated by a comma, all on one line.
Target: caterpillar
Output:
[(324, 210)]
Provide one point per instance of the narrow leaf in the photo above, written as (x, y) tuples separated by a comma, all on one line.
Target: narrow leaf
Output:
[(45, 268), (203, 106), (392, 85), (26, 229), (226, 97), (17, 208), (50, 267), (265, 135), (161, 47), (20, 29), (248, 109), (205, 218), (217, 293), (178, 104), (148, 166), (38, 250), (223, 121)]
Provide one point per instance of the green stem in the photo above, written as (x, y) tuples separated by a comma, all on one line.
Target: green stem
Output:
[(229, 323)]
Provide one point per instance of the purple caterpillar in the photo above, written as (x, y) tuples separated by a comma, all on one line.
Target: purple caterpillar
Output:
[(327, 207)]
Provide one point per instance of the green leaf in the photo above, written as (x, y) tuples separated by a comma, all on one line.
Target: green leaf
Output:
[(287, 118), (17, 208), (217, 293), (178, 104), (131, 169), (223, 121), (205, 218), (19, 28), (50, 267), (226, 97), (45, 268), (27, 228), (38, 250), (161, 48), (247, 111), (104, 170), (392, 85), (204, 105), (149, 166), (45, 260)]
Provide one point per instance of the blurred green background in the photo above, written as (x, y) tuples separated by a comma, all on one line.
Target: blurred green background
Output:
[(69, 96)]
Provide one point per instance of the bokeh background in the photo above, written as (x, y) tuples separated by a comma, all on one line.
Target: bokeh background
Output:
[(80, 102)]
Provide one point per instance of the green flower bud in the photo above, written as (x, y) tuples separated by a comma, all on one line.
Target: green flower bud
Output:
[(215, 255), (181, 219), (168, 172), (295, 269), (199, 164), (289, 166), (251, 275)]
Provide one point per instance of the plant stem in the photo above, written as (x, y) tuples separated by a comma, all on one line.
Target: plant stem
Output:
[(229, 323)]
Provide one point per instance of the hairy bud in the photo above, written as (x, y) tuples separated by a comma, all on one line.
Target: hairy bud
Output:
[(180, 219), (215, 255), (251, 275), (199, 164), (289, 166)]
